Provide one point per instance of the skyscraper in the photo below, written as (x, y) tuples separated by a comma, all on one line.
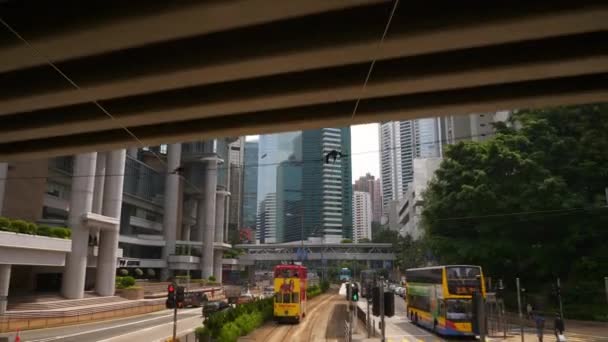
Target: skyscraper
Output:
[(250, 184), (362, 215), (273, 149), (235, 210), (397, 152), (312, 197), (289, 201), (371, 185), (327, 184), (428, 138), (266, 228)]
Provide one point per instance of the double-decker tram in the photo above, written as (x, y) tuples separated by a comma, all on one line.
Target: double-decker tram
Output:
[(440, 298), (289, 293), (345, 274)]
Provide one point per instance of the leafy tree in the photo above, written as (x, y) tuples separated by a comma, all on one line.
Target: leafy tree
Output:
[(346, 241), (364, 240), (527, 202)]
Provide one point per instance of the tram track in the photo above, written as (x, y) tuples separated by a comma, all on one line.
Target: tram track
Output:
[(303, 331)]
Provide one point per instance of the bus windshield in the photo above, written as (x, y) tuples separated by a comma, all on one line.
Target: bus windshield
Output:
[(463, 280), (459, 310)]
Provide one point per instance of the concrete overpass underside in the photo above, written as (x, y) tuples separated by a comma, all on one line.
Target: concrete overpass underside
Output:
[(188, 70)]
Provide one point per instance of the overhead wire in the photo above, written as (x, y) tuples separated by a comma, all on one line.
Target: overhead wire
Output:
[(373, 63)]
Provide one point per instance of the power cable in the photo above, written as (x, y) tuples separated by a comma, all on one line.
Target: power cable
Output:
[(373, 63)]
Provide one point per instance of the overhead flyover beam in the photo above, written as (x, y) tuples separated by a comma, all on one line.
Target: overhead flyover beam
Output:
[(535, 60), (531, 94), (141, 26), (268, 50)]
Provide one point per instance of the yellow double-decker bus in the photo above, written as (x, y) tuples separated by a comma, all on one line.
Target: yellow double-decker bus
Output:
[(439, 298)]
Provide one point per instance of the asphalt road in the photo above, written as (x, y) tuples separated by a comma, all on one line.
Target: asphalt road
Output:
[(112, 330)]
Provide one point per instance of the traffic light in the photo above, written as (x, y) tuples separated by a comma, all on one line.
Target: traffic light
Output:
[(376, 301), (389, 304), (354, 293), (180, 296), (170, 296)]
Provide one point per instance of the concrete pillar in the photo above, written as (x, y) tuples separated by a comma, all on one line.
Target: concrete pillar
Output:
[(220, 210), (108, 239), (171, 203), (190, 211), (206, 215), (81, 202), (5, 281), (100, 180), (3, 176)]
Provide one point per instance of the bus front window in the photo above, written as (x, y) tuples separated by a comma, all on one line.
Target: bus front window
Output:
[(459, 310)]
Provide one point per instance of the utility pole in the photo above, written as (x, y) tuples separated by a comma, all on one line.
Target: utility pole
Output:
[(502, 309), (368, 320), (606, 287), (521, 326), (559, 298), (382, 308)]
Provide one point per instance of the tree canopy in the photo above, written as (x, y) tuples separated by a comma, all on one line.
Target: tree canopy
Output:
[(528, 202)]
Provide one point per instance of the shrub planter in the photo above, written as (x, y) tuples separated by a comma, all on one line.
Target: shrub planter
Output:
[(131, 293)]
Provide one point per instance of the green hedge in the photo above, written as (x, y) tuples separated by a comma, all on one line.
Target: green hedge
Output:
[(24, 227), (229, 324), (124, 282)]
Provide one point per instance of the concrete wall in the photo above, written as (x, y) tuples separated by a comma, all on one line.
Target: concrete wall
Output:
[(24, 194)]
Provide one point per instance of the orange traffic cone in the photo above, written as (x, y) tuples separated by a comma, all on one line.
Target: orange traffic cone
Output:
[(17, 338)]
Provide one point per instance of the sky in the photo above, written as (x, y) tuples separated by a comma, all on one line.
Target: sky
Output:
[(365, 150)]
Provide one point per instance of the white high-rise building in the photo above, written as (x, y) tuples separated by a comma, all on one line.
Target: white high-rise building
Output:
[(266, 231), (362, 215), (397, 151), (428, 138)]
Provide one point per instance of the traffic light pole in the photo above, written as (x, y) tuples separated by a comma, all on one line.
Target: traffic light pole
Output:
[(174, 316), (369, 319), (350, 314), (382, 308)]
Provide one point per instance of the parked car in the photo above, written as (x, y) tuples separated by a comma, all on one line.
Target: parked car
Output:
[(245, 298), (213, 307)]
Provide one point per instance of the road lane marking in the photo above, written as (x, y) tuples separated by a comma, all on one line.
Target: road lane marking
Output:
[(111, 327)]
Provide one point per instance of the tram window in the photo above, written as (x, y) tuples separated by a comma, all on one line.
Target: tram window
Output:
[(286, 298), (295, 297), (278, 297)]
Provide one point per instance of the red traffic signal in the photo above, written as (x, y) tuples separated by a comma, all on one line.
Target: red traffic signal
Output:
[(171, 288)]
